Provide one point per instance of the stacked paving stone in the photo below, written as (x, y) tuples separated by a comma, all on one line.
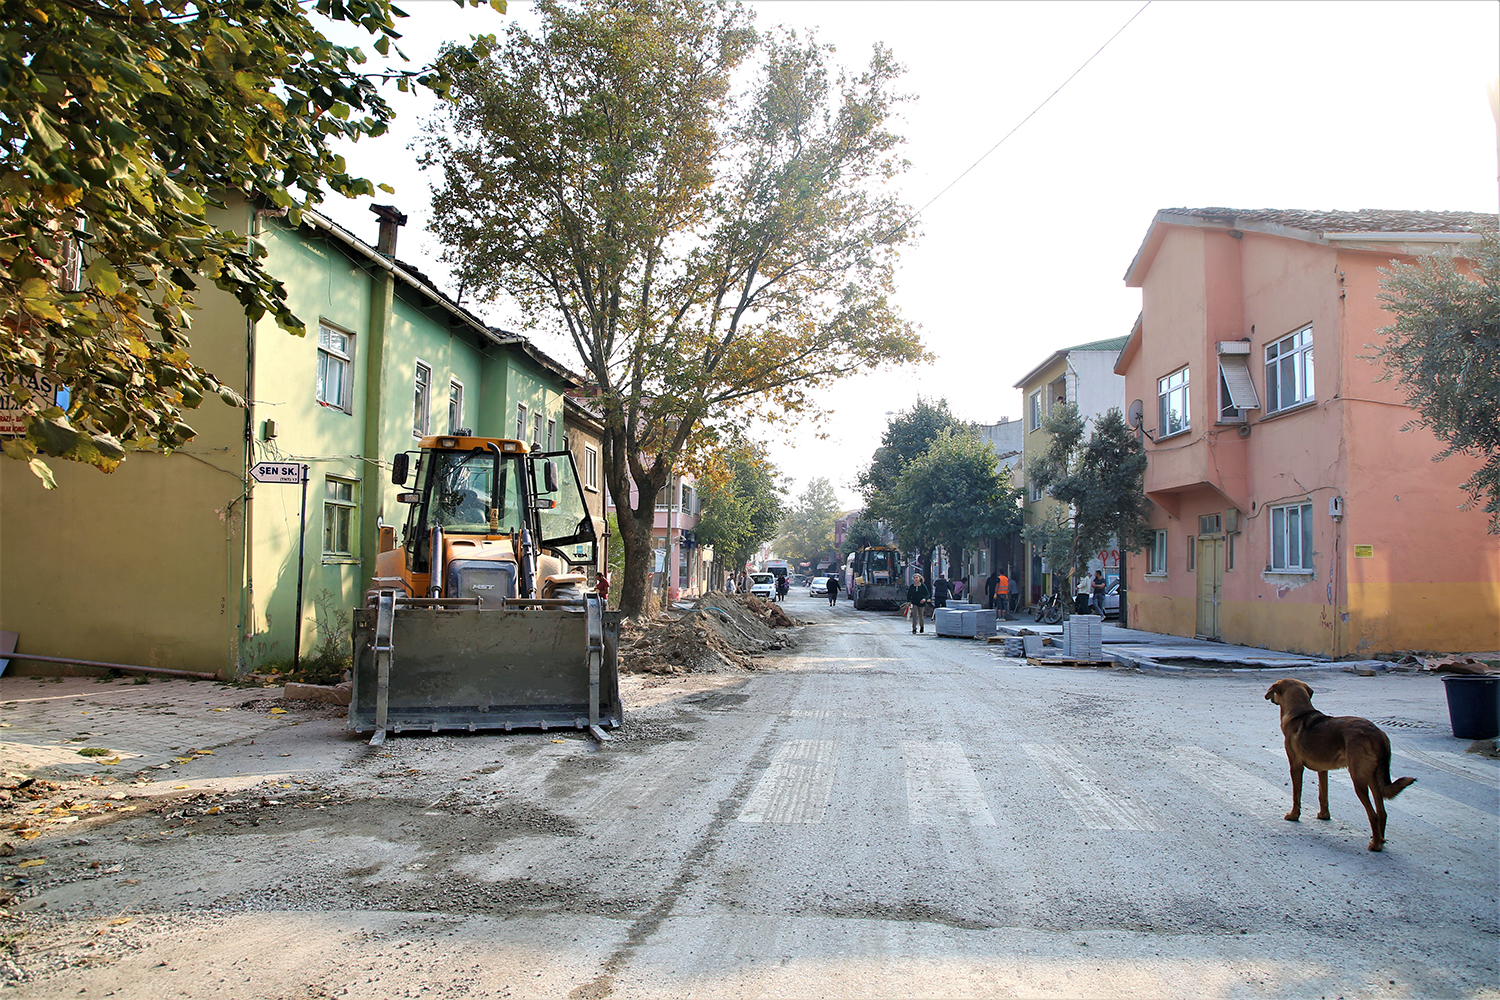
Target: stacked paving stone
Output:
[(1083, 638), (1015, 646)]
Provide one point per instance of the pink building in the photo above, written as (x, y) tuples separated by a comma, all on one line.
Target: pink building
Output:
[(1292, 512), (679, 567)]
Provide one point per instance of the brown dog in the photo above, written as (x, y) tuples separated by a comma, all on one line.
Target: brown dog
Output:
[(1324, 743)]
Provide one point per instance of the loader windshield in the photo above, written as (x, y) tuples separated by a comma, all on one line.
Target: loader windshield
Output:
[(462, 487)]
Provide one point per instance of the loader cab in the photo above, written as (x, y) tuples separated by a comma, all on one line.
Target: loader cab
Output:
[(493, 498)]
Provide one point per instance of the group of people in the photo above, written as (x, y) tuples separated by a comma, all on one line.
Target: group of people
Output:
[(1003, 593)]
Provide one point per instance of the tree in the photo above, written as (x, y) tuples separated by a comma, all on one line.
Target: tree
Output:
[(1443, 350), (906, 437), (1100, 486), (708, 257), (119, 125), (807, 529), (863, 534), (954, 494), (741, 505)]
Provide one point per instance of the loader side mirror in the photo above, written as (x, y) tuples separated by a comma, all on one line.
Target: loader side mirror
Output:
[(399, 468), (549, 475)]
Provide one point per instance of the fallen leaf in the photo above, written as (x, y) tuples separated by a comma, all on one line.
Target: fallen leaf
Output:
[(118, 921), (111, 762), (130, 881), (221, 710), (116, 795), (201, 753), (559, 741), (278, 711), (30, 834), (178, 787), (32, 863)]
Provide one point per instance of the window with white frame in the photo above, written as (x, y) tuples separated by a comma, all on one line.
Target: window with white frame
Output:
[(1157, 565), (1291, 538), (340, 517), (455, 405), (1172, 404), (1035, 492), (552, 435), (1289, 371), (689, 496), (335, 368), (1035, 409), (1236, 387), (421, 419), (520, 421), (536, 431), (590, 467)]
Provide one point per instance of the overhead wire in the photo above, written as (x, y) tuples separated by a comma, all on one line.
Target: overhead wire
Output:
[(1017, 127)]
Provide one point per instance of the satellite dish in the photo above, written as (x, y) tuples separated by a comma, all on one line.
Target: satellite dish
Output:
[(1137, 414)]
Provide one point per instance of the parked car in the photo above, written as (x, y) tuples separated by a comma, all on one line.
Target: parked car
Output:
[(819, 586), (763, 585)]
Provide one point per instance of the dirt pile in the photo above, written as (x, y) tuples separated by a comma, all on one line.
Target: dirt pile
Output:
[(718, 633)]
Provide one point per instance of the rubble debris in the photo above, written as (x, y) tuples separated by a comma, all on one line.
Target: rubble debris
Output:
[(332, 694), (1458, 665), (719, 632)]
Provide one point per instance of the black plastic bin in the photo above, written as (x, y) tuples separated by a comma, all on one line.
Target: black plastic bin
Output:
[(1473, 705)]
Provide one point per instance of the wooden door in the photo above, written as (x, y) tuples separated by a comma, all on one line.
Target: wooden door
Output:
[(1210, 585)]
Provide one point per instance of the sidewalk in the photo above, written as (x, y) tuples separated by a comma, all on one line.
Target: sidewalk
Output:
[(45, 722), (1130, 647)]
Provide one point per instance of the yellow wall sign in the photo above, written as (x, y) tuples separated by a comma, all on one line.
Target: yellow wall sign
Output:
[(1364, 551)]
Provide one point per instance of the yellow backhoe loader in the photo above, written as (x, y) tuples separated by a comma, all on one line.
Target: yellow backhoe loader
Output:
[(480, 619)]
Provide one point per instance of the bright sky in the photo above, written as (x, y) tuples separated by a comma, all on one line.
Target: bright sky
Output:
[(1246, 105)]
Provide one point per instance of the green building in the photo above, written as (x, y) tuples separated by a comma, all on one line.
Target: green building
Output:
[(184, 560)]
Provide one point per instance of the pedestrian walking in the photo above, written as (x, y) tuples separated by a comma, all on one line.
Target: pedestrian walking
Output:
[(999, 590), (1081, 596), (833, 590), (1015, 593), (958, 589), (781, 588), (1098, 587), (918, 599), (993, 586), (940, 591), (729, 587)]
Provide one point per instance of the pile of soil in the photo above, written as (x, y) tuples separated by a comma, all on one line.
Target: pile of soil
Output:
[(718, 633)]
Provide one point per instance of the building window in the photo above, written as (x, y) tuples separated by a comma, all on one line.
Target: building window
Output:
[(536, 432), (335, 368), (1236, 387), (340, 505), (688, 499), (455, 405), (1036, 492), (520, 421), (1228, 552), (1289, 371), (590, 467), (552, 435), (421, 420), (1192, 553), (1172, 404), (1158, 562), (1291, 538), (1036, 409)]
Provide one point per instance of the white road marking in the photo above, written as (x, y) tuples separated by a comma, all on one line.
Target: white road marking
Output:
[(941, 786), (1099, 807), (1453, 817), (1248, 794), (796, 787), (1453, 763)]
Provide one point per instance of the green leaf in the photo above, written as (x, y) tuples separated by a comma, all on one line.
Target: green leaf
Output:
[(42, 472), (102, 275)]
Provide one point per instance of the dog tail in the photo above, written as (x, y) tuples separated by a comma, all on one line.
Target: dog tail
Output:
[(1390, 789)]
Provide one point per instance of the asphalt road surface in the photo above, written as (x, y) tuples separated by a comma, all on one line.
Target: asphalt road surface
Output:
[(878, 814)]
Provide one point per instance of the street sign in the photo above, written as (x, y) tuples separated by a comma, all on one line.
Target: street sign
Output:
[(278, 472), (13, 418)]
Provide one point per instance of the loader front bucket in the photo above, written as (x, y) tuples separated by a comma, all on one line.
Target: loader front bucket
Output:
[(470, 668)]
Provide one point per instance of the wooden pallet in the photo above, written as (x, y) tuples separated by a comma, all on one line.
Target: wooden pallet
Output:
[(1062, 661)]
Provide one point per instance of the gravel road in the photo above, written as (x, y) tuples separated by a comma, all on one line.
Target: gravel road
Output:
[(875, 814)]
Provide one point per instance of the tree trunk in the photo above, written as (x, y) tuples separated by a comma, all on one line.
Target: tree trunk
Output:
[(636, 538)]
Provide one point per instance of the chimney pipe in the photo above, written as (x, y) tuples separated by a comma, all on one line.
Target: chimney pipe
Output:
[(390, 221)]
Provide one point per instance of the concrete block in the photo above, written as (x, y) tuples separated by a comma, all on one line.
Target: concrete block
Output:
[(333, 694)]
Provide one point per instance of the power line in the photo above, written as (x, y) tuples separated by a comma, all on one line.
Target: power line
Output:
[(913, 217)]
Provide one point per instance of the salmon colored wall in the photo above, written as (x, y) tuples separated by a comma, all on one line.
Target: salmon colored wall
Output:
[(1433, 581)]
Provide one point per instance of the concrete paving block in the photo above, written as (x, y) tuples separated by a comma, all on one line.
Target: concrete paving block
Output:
[(333, 694)]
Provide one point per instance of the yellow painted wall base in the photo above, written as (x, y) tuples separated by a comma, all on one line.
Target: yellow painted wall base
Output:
[(1440, 617)]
